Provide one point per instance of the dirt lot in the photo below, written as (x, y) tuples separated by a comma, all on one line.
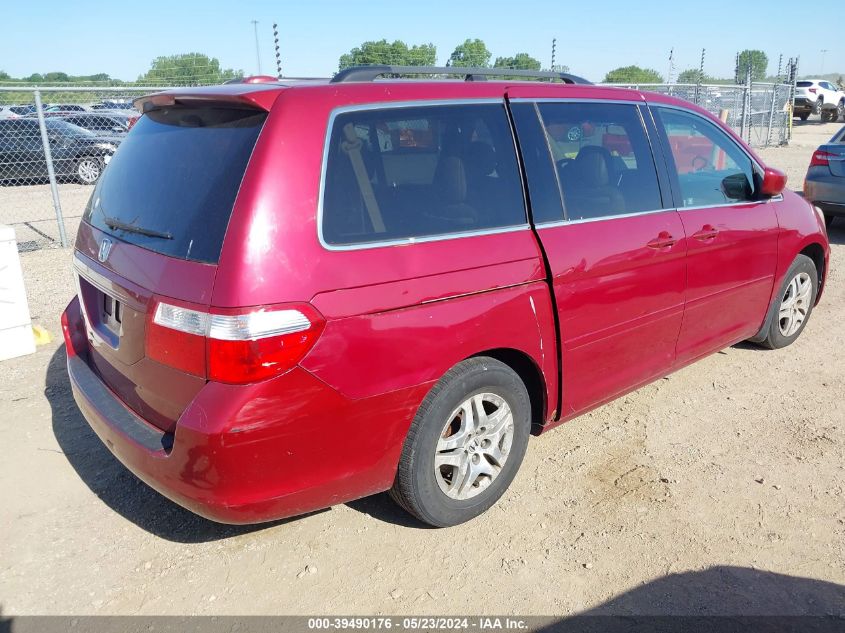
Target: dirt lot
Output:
[(716, 490)]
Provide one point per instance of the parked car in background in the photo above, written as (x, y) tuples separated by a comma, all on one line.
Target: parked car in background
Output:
[(65, 107), (113, 105), (388, 285), (818, 96), (76, 153), (16, 111), (103, 123), (824, 184)]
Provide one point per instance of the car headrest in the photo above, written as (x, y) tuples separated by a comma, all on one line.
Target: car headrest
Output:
[(592, 166)]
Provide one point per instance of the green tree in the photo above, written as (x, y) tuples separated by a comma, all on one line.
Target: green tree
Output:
[(690, 76), (383, 52), (633, 75), (187, 69), (472, 53), (521, 61), (4, 76), (56, 77), (758, 61)]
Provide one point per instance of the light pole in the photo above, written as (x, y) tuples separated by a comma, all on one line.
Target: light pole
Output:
[(824, 51), (257, 53)]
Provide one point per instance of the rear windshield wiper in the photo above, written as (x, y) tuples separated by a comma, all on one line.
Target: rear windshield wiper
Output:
[(114, 223)]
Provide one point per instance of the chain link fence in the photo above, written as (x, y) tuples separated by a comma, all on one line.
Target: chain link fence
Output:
[(761, 113), (55, 141)]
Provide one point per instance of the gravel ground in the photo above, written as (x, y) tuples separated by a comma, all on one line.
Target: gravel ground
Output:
[(716, 490)]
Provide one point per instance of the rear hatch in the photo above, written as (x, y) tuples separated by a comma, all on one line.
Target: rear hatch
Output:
[(802, 90), (153, 230)]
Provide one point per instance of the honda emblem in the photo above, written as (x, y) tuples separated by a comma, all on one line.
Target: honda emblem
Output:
[(105, 249)]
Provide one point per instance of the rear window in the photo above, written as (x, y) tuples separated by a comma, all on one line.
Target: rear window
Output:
[(407, 172), (804, 84), (172, 184)]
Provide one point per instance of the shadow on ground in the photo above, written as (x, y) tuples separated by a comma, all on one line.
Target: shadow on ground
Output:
[(718, 599)]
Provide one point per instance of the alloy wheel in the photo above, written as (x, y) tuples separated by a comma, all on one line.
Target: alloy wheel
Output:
[(88, 170), (795, 304), (474, 446)]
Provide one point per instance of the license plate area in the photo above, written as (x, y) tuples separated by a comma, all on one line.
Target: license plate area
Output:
[(111, 315)]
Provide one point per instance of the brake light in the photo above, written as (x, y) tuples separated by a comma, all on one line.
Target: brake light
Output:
[(235, 346), (131, 122), (821, 158), (813, 90)]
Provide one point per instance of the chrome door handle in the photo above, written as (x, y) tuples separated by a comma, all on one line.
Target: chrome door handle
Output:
[(663, 240), (706, 233)]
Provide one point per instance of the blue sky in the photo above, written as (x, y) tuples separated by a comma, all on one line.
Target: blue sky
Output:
[(121, 38)]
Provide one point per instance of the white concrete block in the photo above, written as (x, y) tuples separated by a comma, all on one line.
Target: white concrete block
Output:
[(15, 326)]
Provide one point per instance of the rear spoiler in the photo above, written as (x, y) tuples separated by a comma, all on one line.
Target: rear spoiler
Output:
[(259, 97)]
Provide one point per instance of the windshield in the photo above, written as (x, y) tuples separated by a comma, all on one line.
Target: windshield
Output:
[(66, 129), (177, 173)]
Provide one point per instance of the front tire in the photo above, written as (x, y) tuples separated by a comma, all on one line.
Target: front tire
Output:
[(465, 444), (88, 170), (794, 304)]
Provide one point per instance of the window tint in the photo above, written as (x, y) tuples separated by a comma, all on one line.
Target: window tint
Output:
[(603, 157), (543, 189), (804, 84), (177, 174), (711, 169), (397, 173)]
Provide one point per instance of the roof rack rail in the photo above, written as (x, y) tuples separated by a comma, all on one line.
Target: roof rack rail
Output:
[(373, 72)]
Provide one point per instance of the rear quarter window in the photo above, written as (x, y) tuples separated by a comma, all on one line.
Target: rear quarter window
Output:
[(177, 174), (395, 173)]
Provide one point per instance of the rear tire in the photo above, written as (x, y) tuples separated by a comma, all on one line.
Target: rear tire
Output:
[(465, 444), (817, 106), (793, 304), (804, 117)]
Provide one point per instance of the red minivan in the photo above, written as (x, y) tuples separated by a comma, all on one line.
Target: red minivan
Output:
[(292, 294)]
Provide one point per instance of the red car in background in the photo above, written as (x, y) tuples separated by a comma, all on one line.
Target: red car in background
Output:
[(295, 294)]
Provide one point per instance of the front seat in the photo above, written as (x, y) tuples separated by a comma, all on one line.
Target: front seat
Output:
[(589, 186)]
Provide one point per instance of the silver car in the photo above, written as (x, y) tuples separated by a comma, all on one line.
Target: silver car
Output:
[(824, 185)]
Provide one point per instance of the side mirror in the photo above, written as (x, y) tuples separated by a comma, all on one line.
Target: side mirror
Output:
[(773, 183)]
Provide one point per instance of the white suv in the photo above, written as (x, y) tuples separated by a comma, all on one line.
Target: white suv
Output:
[(818, 96)]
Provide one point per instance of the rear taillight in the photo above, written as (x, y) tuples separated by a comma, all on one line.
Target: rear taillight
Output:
[(131, 122), (821, 158), (233, 345), (813, 90)]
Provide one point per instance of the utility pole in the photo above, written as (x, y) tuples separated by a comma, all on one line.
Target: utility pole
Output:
[(278, 55), (257, 53), (671, 76), (824, 52), (554, 44)]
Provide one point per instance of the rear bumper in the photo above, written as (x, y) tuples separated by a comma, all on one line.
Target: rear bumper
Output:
[(825, 191), (832, 208), (255, 453), (802, 104)]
